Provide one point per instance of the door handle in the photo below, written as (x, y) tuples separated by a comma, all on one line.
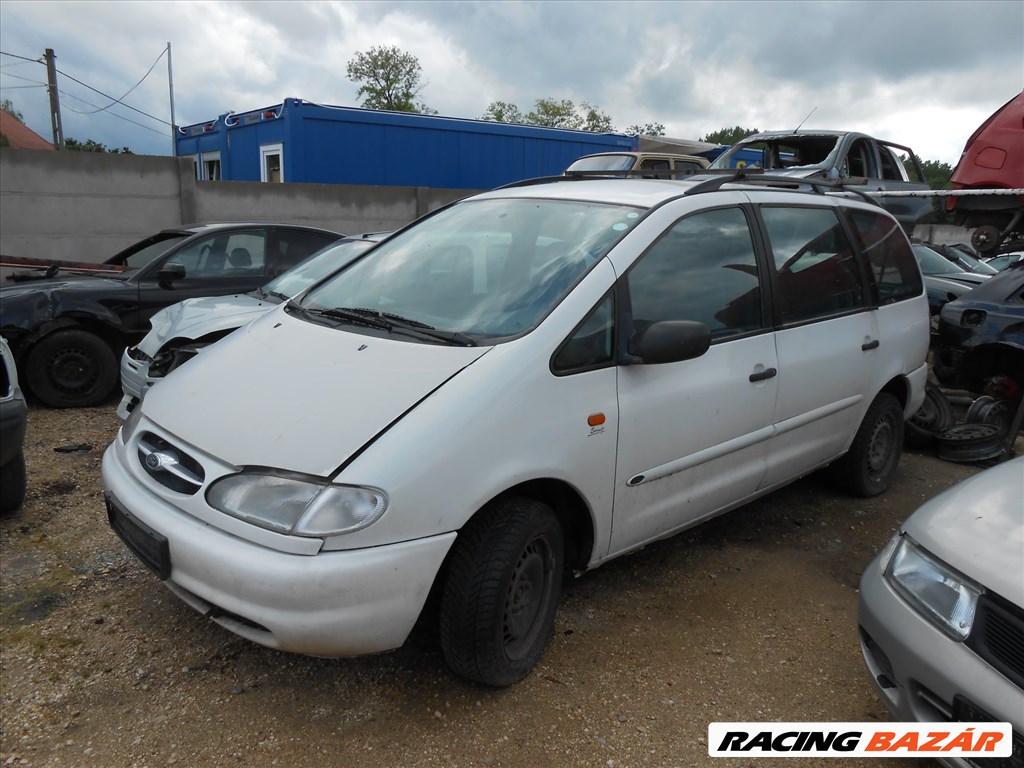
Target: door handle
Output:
[(869, 345), (767, 373)]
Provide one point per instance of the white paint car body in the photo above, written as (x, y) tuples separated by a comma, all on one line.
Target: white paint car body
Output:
[(446, 435)]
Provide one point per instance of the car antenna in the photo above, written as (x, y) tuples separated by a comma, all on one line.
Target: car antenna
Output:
[(805, 119)]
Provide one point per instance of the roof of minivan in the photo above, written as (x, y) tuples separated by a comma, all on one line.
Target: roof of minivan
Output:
[(646, 193)]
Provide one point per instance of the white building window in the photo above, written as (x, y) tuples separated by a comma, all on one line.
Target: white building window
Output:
[(210, 166), (272, 162)]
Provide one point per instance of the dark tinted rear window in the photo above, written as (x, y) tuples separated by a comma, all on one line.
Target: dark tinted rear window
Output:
[(893, 267)]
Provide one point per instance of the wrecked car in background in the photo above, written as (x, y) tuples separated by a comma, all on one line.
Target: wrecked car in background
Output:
[(981, 335), (863, 163), (181, 331), (68, 329)]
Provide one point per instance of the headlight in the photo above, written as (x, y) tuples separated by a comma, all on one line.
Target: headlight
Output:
[(933, 588), (296, 506)]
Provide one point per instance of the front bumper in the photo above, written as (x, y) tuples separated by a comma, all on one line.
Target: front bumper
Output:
[(338, 603), (919, 672)]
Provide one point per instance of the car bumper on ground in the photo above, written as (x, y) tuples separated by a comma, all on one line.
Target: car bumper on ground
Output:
[(338, 603), (922, 675)]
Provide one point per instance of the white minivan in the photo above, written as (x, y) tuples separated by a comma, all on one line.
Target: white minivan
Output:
[(522, 385)]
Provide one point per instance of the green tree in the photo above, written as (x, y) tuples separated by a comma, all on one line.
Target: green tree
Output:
[(8, 106), (91, 145), (936, 174), (647, 129), (503, 112), (552, 113), (389, 78), (729, 136)]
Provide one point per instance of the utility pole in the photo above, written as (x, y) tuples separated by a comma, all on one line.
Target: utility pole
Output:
[(170, 85), (51, 77)]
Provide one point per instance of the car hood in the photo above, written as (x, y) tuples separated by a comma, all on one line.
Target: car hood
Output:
[(195, 318), (972, 278), (83, 284), (977, 527), (294, 395)]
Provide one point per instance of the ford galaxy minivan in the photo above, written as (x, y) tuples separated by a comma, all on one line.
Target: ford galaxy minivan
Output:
[(522, 385)]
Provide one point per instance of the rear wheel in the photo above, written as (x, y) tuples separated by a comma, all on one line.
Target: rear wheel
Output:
[(501, 591), (71, 369), (870, 465)]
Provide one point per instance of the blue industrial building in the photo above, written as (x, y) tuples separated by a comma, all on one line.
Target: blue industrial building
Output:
[(299, 141)]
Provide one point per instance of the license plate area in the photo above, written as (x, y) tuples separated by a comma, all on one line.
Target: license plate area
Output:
[(966, 711), (148, 545)]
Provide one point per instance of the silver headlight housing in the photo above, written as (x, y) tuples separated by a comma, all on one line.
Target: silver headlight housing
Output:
[(948, 599), (296, 505)]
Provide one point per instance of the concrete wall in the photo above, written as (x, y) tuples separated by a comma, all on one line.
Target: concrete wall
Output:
[(86, 206)]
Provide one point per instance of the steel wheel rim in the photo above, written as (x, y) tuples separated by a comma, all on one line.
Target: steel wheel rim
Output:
[(528, 594), (72, 370), (879, 452)]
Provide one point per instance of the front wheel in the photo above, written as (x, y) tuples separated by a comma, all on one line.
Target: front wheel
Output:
[(501, 591), (71, 369), (870, 465)]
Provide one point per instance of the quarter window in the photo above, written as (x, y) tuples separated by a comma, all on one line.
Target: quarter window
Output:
[(591, 344), (894, 270), (817, 270), (702, 269)]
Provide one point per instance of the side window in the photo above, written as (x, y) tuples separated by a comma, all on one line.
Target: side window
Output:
[(591, 344), (816, 268), (892, 166), (224, 255), (894, 270), (702, 269), (654, 169), (861, 160), (295, 245)]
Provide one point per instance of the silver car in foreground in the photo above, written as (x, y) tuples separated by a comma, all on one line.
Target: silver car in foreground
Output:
[(942, 609)]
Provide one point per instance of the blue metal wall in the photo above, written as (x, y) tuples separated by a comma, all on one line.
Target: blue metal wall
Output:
[(344, 145)]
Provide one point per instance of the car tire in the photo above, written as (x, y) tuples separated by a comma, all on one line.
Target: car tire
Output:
[(12, 484), (934, 415), (71, 369), (869, 466), (502, 586)]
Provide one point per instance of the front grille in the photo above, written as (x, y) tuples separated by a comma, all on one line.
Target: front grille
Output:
[(998, 636), (170, 466), (966, 711)]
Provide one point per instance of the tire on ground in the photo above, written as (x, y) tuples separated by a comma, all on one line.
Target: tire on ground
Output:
[(501, 590), (71, 369), (12, 484), (869, 466)]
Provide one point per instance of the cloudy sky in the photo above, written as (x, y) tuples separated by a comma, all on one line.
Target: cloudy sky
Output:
[(924, 74)]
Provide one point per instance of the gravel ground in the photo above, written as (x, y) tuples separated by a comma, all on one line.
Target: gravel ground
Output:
[(750, 617)]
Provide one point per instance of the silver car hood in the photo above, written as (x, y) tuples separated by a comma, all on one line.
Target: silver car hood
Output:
[(977, 527), (194, 318), (294, 395)]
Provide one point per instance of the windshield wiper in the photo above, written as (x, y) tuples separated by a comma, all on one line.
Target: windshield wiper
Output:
[(408, 324), (371, 320), (277, 294)]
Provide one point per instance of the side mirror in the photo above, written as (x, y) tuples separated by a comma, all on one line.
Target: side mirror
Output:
[(670, 341), (169, 273)]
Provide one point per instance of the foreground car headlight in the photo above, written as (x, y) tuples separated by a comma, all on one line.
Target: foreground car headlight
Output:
[(296, 506), (933, 588)]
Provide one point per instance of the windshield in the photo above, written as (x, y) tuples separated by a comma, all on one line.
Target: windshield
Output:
[(603, 163), (972, 264), (784, 152), (483, 270), (317, 266), (933, 263)]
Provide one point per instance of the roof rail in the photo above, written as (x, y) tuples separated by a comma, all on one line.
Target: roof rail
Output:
[(818, 186)]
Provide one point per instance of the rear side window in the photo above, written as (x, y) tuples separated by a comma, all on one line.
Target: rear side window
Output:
[(894, 270), (295, 245), (704, 269), (817, 271)]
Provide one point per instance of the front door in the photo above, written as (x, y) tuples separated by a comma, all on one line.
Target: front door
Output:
[(692, 434)]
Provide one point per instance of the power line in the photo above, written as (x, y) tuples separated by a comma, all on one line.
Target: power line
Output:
[(23, 58), (112, 114), (119, 101)]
